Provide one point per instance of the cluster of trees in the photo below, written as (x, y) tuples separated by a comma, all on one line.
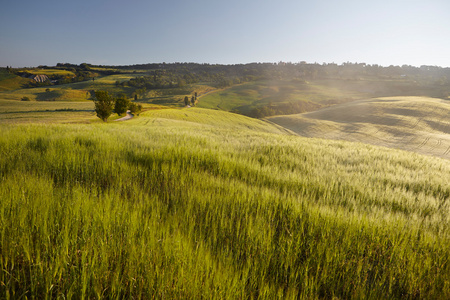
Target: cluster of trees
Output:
[(192, 101), (105, 105), (179, 74)]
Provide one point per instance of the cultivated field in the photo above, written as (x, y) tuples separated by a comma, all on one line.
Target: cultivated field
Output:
[(193, 203), (190, 203), (49, 72), (13, 111), (416, 124)]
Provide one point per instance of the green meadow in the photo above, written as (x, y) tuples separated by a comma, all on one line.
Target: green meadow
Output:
[(10, 82), (245, 97), (194, 203), (266, 98)]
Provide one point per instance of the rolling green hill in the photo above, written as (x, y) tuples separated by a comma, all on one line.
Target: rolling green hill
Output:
[(417, 124), (282, 97), (190, 203), (10, 81)]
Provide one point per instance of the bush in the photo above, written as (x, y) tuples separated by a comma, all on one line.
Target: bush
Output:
[(135, 109), (121, 104)]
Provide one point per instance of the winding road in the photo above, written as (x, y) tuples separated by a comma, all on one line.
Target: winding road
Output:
[(127, 117)]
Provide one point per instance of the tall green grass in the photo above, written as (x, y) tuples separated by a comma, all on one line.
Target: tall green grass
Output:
[(163, 207)]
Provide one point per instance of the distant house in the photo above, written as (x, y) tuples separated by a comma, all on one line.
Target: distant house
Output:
[(39, 78)]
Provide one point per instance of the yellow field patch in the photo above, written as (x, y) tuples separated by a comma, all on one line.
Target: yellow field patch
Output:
[(417, 124)]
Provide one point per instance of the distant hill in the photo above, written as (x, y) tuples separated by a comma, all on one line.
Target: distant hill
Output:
[(417, 124), (10, 81)]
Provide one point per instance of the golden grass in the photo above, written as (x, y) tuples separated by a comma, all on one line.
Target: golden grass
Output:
[(49, 72), (193, 204), (417, 124), (13, 83), (12, 111)]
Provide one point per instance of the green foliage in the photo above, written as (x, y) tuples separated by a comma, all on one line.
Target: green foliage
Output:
[(135, 109), (121, 104), (5, 73), (186, 100), (184, 208), (26, 98), (104, 105)]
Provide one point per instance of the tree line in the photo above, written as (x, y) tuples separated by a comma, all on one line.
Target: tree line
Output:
[(173, 75)]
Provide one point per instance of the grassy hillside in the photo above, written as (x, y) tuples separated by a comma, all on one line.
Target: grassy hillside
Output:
[(279, 97), (188, 204), (10, 81), (245, 98), (417, 124), (12, 111)]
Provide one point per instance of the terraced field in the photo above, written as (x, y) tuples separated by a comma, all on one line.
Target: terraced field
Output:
[(417, 124)]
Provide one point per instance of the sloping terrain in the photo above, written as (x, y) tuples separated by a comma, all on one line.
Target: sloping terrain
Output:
[(417, 124), (191, 204)]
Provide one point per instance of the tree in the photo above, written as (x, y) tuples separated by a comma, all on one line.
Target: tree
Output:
[(121, 104), (186, 100), (104, 105), (135, 109), (193, 101)]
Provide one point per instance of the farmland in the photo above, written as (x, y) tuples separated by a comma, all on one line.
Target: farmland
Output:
[(198, 202), (49, 72), (415, 124)]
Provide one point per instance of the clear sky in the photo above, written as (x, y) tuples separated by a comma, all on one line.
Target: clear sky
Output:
[(125, 32)]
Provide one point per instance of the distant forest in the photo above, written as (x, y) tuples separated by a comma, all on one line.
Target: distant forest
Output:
[(166, 75)]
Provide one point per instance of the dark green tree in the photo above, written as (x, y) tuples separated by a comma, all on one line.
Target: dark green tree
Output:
[(104, 105), (186, 100), (121, 104), (193, 101), (135, 109)]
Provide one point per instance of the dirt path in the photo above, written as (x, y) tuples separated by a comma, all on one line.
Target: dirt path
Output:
[(127, 117)]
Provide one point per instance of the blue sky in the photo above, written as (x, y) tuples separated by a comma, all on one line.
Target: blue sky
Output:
[(112, 32)]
